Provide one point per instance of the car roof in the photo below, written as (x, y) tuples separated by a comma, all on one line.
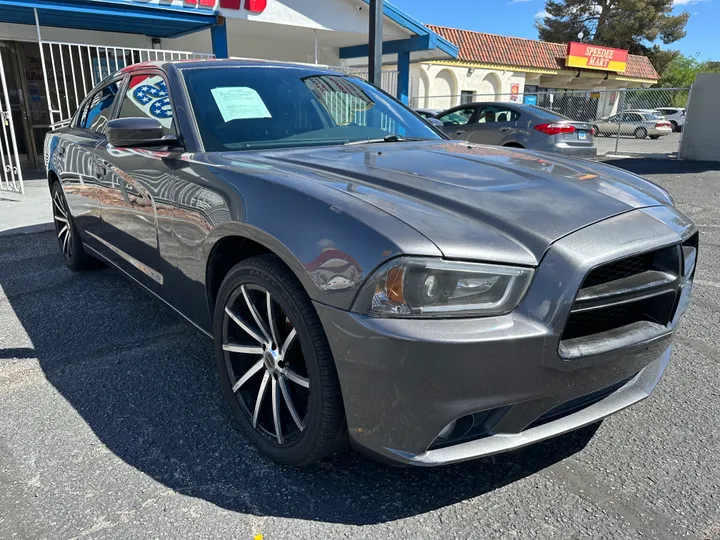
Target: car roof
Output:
[(239, 62)]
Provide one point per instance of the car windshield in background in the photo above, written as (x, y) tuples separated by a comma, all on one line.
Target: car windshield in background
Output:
[(243, 108), (547, 113)]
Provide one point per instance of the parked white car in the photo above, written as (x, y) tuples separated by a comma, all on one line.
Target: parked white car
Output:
[(674, 115)]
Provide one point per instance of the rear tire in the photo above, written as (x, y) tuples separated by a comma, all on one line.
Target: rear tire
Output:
[(641, 133), (282, 387), (675, 126), (68, 237)]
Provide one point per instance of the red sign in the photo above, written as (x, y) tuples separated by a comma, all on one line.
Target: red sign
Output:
[(253, 6), (584, 55), (514, 91)]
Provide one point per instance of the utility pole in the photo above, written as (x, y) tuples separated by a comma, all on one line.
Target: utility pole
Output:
[(375, 35)]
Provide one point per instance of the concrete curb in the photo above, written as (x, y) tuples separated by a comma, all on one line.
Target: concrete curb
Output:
[(29, 229)]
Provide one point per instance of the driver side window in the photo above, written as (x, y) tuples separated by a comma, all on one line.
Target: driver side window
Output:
[(458, 117)]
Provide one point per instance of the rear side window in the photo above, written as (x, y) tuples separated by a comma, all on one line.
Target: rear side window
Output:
[(547, 114), (147, 96), (96, 114)]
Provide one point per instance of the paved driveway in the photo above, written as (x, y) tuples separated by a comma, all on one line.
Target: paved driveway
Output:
[(667, 145), (112, 426)]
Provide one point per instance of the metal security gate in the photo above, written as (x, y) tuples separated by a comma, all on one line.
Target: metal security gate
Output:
[(11, 176), (73, 69)]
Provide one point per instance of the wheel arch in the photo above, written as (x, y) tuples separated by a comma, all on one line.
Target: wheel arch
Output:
[(233, 243)]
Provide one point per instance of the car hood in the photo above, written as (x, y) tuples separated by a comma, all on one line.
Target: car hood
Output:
[(477, 202)]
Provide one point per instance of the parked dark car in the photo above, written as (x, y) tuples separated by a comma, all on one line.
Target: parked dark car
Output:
[(520, 126), (428, 113), (365, 279)]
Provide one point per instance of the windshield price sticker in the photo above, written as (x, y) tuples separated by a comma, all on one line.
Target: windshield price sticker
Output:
[(239, 103)]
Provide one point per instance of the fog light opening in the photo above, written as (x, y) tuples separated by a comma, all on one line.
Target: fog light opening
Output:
[(447, 431)]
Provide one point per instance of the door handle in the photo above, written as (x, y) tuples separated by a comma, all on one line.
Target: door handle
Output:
[(505, 128), (459, 132)]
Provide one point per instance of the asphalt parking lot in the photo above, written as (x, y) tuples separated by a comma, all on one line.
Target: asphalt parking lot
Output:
[(112, 426), (667, 145)]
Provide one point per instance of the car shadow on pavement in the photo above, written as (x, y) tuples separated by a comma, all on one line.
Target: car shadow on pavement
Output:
[(144, 382)]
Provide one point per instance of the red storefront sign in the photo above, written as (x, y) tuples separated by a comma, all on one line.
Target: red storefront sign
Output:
[(253, 6), (583, 55)]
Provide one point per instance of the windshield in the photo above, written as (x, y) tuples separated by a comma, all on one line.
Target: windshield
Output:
[(248, 108)]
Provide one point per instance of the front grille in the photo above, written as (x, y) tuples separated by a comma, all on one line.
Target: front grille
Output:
[(640, 288), (619, 269)]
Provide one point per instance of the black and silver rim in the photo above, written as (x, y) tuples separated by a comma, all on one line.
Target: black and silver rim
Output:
[(262, 348), (62, 224)]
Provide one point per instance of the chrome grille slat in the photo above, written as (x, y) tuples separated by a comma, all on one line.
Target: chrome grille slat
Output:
[(629, 286)]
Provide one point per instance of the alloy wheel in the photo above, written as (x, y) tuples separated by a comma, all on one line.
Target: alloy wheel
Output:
[(63, 226), (265, 364)]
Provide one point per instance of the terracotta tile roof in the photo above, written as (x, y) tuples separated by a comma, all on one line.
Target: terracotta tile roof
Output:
[(512, 51)]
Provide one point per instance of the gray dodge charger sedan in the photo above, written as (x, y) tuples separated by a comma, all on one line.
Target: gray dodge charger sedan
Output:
[(366, 280)]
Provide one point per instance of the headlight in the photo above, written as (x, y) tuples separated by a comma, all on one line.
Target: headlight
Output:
[(425, 287)]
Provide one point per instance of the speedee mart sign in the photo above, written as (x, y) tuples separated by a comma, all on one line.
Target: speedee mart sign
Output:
[(253, 6), (582, 55)]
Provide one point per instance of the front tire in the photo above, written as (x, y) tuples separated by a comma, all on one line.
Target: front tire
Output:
[(68, 237), (275, 364)]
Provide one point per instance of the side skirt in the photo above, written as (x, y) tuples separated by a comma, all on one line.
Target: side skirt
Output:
[(99, 255)]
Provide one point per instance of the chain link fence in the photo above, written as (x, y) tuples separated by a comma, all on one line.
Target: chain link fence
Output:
[(634, 122)]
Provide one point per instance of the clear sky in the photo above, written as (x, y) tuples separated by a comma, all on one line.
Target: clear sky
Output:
[(516, 18)]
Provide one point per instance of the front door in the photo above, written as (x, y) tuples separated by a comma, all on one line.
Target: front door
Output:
[(137, 186)]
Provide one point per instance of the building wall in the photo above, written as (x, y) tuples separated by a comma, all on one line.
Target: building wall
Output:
[(298, 48), (699, 137), (438, 86), (26, 32)]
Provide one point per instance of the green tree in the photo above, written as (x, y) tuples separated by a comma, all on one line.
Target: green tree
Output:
[(681, 71), (625, 24)]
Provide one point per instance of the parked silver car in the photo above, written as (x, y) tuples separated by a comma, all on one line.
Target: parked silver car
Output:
[(674, 115), (639, 124), (519, 126)]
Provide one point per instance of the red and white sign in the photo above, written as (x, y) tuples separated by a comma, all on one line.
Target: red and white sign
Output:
[(583, 55), (253, 6)]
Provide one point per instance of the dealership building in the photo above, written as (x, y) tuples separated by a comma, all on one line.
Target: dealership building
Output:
[(499, 68)]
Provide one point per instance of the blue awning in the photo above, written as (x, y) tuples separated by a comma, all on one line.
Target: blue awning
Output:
[(154, 20)]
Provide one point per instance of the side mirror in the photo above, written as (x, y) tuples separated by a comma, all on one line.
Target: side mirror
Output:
[(435, 122), (138, 133)]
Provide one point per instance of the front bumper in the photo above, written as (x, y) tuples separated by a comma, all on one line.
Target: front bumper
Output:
[(405, 380)]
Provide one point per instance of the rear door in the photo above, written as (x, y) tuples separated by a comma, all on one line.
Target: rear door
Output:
[(138, 186), (494, 124), (74, 159)]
